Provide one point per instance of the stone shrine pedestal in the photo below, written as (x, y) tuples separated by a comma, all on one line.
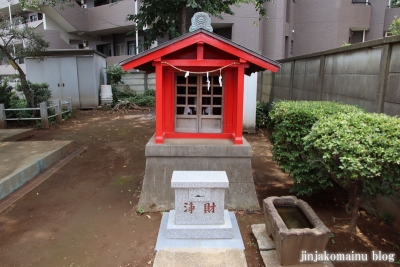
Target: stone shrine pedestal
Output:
[(199, 219), (199, 155)]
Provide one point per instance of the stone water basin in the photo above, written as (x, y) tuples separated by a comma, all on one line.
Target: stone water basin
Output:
[(303, 230)]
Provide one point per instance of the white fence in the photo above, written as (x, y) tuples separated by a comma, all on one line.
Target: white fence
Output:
[(43, 109)]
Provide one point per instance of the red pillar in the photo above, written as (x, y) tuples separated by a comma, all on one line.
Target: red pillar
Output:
[(159, 103), (239, 107)]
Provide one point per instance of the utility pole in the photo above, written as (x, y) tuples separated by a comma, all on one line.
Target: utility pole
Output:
[(136, 29)]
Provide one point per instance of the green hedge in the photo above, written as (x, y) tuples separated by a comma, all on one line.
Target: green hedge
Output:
[(291, 121)]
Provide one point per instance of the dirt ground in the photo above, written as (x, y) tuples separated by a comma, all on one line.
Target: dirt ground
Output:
[(84, 215)]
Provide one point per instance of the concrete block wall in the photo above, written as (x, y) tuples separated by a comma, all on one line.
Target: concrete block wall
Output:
[(391, 104), (365, 74), (138, 82), (352, 77), (264, 86)]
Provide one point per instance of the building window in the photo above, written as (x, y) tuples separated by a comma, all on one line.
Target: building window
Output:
[(287, 10), (33, 17), (119, 49), (131, 47), (291, 47), (101, 2), (105, 49), (286, 46)]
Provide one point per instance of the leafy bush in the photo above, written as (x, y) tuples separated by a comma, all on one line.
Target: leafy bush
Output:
[(16, 102), (41, 92), (114, 75), (145, 99), (395, 26), (360, 150), (291, 121), (261, 114), (5, 93)]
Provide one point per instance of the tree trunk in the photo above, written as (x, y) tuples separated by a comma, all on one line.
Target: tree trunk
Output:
[(29, 95), (357, 198), (183, 24)]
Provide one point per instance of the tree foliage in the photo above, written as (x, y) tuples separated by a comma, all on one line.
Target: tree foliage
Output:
[(319, 143), (170, 17), (16, 43), (5, 93), (395, 3), (362, 151), (395, 26)]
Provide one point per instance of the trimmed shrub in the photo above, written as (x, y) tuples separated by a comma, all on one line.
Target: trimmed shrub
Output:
[(291, 121)]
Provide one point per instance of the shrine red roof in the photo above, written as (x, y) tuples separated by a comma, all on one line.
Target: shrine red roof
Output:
[(226, 48)]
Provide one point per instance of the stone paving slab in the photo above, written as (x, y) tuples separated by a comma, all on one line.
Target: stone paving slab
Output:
[(196, 257), (8, 135), (38, 179), (21, 161), (268, 252)]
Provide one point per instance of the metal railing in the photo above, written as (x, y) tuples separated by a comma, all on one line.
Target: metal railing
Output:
[(43, 109)]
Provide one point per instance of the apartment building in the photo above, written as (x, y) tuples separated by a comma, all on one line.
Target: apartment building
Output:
[(294, 27), (298, 27)]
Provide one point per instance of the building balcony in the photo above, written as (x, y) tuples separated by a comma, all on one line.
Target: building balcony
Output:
[(357, 15), (98, 20), (390, 14)]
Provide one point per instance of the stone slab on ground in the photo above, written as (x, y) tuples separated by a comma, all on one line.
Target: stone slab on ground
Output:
[(271, 260), (200, 257), (268, 252), (264, 242), (21, 161), (8, 135), (167, 243)]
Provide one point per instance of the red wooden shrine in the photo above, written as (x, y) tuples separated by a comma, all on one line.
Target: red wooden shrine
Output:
[(197, 106)]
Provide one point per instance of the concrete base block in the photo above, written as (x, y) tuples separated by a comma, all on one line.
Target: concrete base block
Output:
[(197, 155), (199, 231), (236, 242)]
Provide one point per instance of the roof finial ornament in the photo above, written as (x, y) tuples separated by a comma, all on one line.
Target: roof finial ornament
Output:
[(201, 20)]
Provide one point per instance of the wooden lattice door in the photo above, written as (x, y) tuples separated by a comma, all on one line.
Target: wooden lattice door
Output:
[(199, 107)]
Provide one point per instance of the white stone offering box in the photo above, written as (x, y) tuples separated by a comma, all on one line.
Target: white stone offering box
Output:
[(199, 197)]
